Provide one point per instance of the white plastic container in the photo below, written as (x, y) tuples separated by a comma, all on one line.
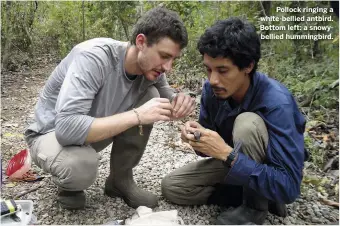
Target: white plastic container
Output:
[(25, 214)]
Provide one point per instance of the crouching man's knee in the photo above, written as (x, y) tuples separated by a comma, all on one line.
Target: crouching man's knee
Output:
[(172, 191), (166, 186), (252, 131), (75, 169)]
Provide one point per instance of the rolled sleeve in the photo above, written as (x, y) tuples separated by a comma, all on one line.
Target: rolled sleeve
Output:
[(240, 172)]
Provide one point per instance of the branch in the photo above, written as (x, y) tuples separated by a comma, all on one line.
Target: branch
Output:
[(334, 84), (263, 10)]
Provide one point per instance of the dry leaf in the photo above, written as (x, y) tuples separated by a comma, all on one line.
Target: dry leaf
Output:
[(11, 185), (13, 135)]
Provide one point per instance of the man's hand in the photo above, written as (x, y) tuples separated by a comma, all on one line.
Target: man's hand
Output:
[(210, 143), (156, 109), (182, 105)]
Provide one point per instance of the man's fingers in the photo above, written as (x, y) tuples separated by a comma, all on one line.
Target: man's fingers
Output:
[(190, 136), (166, 106), (174, 101), (165, 112), (184, 106), (189, 109), (202, 130), (195, 145), (162, 100), (179, 102), (164, 118), (193, 124)]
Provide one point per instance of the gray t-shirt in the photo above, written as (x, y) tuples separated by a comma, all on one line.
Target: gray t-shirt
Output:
[(90, 82)]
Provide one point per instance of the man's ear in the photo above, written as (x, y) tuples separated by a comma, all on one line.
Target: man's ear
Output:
[(141, 41), (249, 68)]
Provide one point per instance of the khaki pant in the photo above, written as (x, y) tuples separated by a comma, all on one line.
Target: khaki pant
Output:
[(194, 183), (74, 168)]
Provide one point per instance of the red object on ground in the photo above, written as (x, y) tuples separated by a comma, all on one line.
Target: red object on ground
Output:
[(19, 165)]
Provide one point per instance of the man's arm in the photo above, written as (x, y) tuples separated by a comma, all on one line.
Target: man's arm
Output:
[(280, 179), (156, 109), (83, 80)]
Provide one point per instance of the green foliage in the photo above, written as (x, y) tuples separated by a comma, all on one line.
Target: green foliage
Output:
[(317, 154), (306, 67)]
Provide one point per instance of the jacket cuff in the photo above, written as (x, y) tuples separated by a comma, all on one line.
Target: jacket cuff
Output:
[(240, 172)]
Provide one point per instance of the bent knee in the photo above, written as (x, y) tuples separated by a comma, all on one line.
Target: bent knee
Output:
[(250, 125), (170, 189), (175, 191), (72, 172), (166, 185)]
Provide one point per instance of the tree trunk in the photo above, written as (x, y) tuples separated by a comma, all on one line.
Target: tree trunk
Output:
[(265, 11), (83, 20), (8, 35), (125, 27), (266, 7)]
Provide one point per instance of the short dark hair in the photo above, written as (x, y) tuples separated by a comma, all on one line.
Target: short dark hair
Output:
[(159, 23), (232, 38)]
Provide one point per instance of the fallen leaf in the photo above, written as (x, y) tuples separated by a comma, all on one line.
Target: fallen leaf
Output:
[(11, 185), (13, 135), (325, 138)]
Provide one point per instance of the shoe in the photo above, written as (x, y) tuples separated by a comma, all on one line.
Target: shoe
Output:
[(127, 189), (127, 150), (278, 209), (72, 200), (254, 210)]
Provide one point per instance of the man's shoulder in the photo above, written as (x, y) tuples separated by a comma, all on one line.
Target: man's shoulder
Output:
[(276, 100), (88, 44), (102, 47), (271, 92), (105, 52)]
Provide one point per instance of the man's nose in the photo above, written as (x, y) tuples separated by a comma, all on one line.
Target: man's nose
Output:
[(214, 80), (167, 65)]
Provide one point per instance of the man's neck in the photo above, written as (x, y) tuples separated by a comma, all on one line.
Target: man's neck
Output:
[(241, 93), (131, 65)]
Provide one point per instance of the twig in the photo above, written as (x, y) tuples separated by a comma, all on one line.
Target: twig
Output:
[(310, 105), (328, 202), (326, 111), (329, 164), (303, 111), (27, 191)]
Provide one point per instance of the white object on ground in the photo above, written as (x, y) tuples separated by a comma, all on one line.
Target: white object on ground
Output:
[(145, 216)]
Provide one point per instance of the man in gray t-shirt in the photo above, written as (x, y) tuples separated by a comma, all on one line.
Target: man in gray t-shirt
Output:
[(106, 91)]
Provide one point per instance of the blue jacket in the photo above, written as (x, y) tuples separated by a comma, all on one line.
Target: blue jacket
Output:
[(279, 178)]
